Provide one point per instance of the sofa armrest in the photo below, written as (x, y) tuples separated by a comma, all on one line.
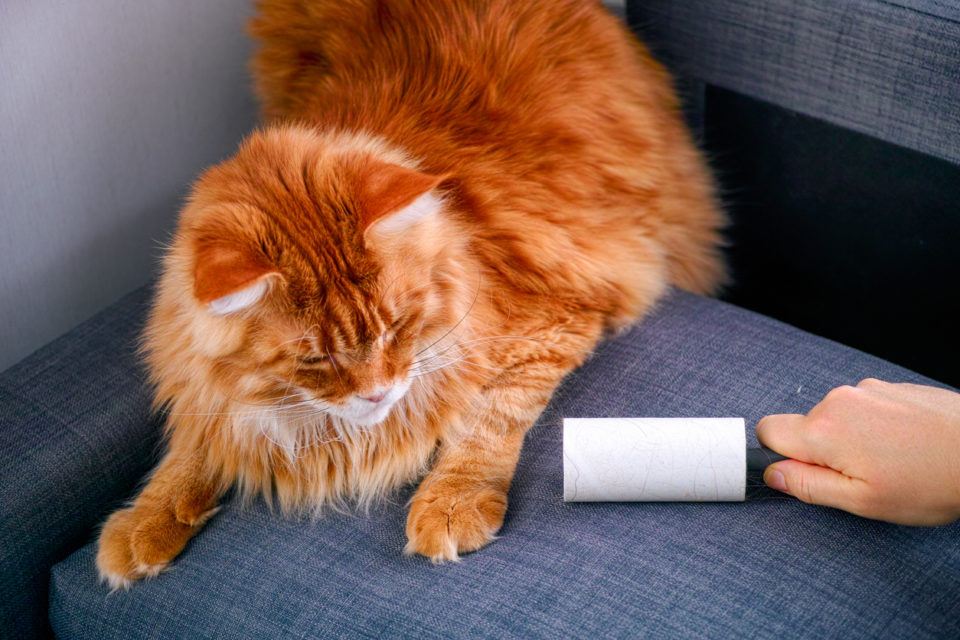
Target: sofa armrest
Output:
[(76, 435)]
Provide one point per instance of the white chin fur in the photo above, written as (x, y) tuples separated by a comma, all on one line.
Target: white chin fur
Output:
[(364, 413)]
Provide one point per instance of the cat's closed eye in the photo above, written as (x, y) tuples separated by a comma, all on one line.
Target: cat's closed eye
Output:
[(313, 359)]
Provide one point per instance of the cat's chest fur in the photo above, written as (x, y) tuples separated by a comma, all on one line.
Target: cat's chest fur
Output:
[(306, 460)]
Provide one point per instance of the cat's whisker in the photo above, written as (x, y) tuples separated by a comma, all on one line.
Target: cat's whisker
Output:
[(485, 340), (462, 318), (299, 338), (205, 414), (297, 367), (406, 292), (417, 364), (306, 437), (423, 368), (451, 366), (336, 367)]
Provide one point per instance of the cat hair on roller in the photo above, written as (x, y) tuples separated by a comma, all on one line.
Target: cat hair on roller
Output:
[(658, 459)]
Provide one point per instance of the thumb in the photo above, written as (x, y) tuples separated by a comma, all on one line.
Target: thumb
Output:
[(812, 483)]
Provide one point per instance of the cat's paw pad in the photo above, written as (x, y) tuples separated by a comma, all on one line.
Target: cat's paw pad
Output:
[(139, 543), (446, 520)]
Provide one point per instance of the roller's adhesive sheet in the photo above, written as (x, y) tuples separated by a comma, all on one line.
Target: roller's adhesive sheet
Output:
[(654, 459)]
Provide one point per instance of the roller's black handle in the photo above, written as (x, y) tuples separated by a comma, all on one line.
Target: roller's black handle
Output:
[(760, 458)]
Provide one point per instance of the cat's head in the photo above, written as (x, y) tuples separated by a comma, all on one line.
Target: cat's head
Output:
[(310, 272)]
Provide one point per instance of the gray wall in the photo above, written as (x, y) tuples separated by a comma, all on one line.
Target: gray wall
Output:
[(108, 110)]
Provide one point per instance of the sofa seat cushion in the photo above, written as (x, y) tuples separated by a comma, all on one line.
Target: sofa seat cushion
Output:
[(771, 566)]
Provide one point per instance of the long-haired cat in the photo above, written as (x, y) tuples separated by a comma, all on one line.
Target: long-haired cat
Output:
[(448, 206)]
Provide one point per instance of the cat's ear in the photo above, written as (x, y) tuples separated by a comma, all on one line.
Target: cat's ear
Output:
[(229, 278), (394, 197)]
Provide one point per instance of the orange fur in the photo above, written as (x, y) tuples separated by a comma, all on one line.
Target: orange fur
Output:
[(460, 196)]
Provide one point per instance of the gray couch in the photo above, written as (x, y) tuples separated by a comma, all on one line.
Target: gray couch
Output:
[(881, 78)]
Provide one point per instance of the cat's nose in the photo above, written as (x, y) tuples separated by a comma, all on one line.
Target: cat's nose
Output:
[(377, 396)]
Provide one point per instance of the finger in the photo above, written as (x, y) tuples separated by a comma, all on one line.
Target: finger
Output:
[(784, 433), (814, 484), (873, 383)]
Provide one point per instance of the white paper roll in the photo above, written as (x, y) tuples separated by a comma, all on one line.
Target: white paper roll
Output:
[(654, 459)]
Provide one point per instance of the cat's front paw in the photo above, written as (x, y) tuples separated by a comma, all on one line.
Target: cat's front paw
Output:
[(450, 516), (139, 542)]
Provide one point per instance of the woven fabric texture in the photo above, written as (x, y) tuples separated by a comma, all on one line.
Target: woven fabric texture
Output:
[(75, 435), (770, 567), (887, 69)]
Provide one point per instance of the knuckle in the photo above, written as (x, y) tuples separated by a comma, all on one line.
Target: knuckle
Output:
[(817, 429), (841, 393), (870, 383)]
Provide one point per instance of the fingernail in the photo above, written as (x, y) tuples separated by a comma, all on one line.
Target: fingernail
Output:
[(775, 480)]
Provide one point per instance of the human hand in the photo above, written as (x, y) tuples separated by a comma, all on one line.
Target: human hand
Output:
[(879, 450)]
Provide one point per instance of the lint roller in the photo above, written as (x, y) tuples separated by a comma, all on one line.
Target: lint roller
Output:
[(658, 459)]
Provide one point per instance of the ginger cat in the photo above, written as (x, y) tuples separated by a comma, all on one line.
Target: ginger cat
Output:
[(449, 204)]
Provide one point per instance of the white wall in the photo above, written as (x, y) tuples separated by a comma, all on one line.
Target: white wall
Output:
[(108, 110)]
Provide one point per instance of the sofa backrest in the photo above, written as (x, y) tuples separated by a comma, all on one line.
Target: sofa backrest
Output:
[(835, 131)]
